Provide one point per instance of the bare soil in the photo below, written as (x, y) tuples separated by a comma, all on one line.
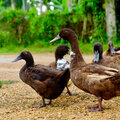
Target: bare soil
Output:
[(17, 100)]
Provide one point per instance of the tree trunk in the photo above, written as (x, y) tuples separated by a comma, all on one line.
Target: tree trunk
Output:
[(110, 19), (13, 4), (23, 5), (41, 5), (84, 30), (69, 4)]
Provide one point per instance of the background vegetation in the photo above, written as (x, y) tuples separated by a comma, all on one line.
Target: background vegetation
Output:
[(22, 26)]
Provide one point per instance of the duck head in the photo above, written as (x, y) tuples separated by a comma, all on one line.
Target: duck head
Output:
[(60, 51), (27, 56), (65, 34), (69, 35), (111, 48), (98, 50)]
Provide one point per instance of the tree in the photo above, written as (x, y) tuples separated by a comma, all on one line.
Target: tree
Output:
[(23, 5), (110, 19), (84, 30), (69, 5), (13, 4)]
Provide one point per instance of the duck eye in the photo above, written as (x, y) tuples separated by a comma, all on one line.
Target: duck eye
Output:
[(25, 53)]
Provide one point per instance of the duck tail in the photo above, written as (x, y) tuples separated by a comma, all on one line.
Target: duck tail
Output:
[(115, 79), (64, 77)]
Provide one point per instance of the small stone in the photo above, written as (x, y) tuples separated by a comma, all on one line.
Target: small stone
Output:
[(73, 117), (42, 117), (85, 114), (7, 112)]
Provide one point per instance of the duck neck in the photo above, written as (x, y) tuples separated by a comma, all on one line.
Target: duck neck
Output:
[(75, 56), (57, 58), (100, 57), (29, 62)]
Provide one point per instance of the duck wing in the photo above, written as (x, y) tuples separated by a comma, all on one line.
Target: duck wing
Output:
[(115, 79), (99, 69), (41, 72)]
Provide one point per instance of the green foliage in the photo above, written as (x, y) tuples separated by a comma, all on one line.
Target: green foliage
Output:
[(15, 24), (25, 28)]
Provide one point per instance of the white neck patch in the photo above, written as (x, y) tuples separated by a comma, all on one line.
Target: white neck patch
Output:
[(62, 64), (72, 55)]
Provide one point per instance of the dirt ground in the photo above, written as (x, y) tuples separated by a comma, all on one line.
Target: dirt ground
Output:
[(17, 100)]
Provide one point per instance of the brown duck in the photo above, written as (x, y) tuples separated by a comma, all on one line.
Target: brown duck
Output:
[(61, 63), (60, 52), (101, 81), (109, 61), (111, 50), (47, 82)]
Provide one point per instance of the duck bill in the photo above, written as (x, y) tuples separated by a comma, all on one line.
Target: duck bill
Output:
[(17, 59), (55, 39), (96, 58), (112, 50)]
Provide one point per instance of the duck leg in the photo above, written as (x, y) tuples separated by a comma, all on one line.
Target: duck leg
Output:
[(68, 91), (97, 107), (100, 104), (41, 105), (44, 103)]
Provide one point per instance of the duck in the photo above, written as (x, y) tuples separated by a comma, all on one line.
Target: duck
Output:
[(47, 82), (111, 50), (61, 63), (101, 81), (109, 61)]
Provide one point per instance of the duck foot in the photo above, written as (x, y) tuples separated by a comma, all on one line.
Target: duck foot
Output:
[(95, 109), (93, 106), (43, 104), (40, 106), (74, 94), (69, 93)]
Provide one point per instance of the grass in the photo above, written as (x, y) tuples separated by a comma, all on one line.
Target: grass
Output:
[(7, 82), (86, 48), (1, 84), (33, 49)]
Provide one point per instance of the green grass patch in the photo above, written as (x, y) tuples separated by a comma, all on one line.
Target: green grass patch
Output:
[(32, 48), (1, 84), (7, 82), (85, 48)]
